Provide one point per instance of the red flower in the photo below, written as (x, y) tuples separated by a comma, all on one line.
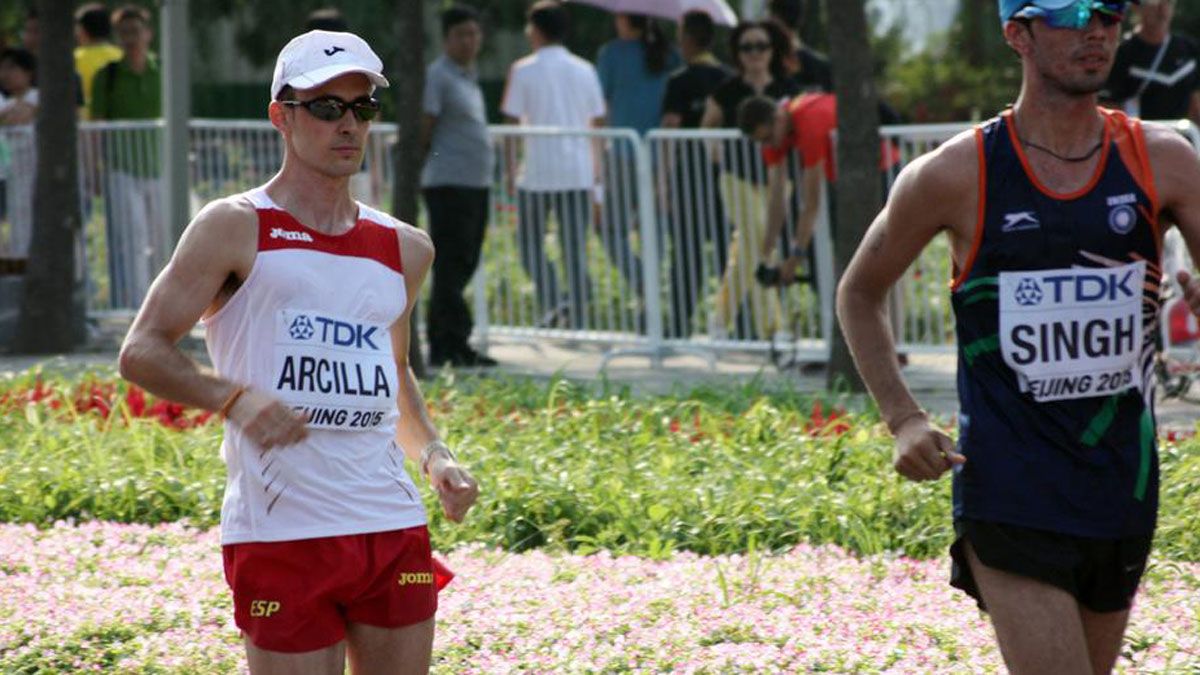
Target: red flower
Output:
[(135, 398), (820, 425)]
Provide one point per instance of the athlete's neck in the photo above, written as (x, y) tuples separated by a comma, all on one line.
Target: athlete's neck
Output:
[(320, 202), (1069, 126)]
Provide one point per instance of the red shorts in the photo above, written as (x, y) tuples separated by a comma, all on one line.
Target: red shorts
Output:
[(298, 596)]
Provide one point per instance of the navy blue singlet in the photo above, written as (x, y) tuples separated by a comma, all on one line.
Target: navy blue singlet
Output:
[(1056, 311)]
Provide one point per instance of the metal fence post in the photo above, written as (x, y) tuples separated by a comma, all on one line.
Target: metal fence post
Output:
[(652, 291)]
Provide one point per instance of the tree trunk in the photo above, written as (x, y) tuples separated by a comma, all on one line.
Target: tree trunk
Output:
[(408, 89), (857, 192), (52, 318)]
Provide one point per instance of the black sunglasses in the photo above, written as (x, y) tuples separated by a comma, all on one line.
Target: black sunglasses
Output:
[(747, 47), (332, 108)]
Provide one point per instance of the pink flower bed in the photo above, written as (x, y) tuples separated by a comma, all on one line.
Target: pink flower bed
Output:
[(114, 598)]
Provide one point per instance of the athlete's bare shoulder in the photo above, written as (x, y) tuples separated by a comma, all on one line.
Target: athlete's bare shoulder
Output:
[(1176, 169), (953, 164), (940, 188), (416, 249), (1166, 145), (224, 217), (225, 233)]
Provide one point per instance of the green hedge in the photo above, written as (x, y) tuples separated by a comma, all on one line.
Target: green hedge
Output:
[(711, 471)]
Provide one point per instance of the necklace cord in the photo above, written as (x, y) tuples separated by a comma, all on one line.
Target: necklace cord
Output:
[(1064, 158)]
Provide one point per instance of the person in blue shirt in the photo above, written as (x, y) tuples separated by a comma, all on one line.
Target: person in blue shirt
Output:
[(633, 70)]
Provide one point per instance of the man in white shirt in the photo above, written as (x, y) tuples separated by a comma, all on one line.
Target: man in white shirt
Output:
[(553, 87)]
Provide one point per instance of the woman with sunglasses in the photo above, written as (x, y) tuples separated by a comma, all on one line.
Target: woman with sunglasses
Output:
[(1055, 469), (305, 296), (760, 50)]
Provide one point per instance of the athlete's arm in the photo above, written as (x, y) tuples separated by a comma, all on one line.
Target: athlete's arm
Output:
[(936, 192), (456, 488), (1176, 175), (217, 248)]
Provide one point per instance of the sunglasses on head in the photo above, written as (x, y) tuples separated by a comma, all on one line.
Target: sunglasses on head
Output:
[(332, 108), (1077, 15), (748, 47)]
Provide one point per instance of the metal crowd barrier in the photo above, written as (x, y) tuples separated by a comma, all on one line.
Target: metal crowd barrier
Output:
[(18, 156), (571, 247), (658, 259), (711, 187)]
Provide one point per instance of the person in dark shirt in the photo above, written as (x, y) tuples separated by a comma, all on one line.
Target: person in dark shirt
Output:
[(693, 208), (691, 85), (1155, 74), (760, 50), (807, 66)]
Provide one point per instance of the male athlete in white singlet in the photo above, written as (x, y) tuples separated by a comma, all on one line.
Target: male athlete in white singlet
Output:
[(305, 298)]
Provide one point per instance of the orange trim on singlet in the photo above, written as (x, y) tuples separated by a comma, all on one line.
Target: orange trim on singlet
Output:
[(981, 215), (1130, 140), (1091, 184), (1147, 175)]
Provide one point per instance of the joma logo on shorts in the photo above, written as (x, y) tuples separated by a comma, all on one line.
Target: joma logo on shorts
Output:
[(409, 578), (290, 235), (263, 608)]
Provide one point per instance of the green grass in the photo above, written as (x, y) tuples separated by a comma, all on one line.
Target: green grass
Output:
[(566, 467)]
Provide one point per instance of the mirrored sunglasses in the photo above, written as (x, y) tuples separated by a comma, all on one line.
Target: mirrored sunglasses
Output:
[(1078, 14)]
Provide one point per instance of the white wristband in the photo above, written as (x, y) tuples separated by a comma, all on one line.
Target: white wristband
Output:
[(427, 454)]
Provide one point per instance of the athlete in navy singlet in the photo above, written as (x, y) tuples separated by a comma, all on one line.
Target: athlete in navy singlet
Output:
[(1055, 211), (1055, 366)]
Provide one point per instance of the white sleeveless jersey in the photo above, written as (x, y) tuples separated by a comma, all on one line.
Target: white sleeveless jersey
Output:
[(310, 326)]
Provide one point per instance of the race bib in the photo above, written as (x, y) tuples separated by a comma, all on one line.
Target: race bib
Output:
[(1073, 333), (338, 372)]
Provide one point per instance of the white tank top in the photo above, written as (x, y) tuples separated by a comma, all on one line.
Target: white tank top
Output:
[(309, 326)]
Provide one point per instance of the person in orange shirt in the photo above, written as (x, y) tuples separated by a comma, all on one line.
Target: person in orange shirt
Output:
[(804, 124)]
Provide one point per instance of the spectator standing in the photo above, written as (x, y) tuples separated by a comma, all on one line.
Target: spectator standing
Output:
[(694, 211), (131, 89), (455, 180), (1155, 75), (760, 49), (553, 87), (18, 77), (31, 32), (94, 50), (807, 66), (633, 72)]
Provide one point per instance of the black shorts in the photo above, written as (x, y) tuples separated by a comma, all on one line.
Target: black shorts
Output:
[(1101, 574)]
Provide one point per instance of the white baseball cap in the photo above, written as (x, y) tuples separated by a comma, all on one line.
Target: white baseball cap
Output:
[(318, 56)]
